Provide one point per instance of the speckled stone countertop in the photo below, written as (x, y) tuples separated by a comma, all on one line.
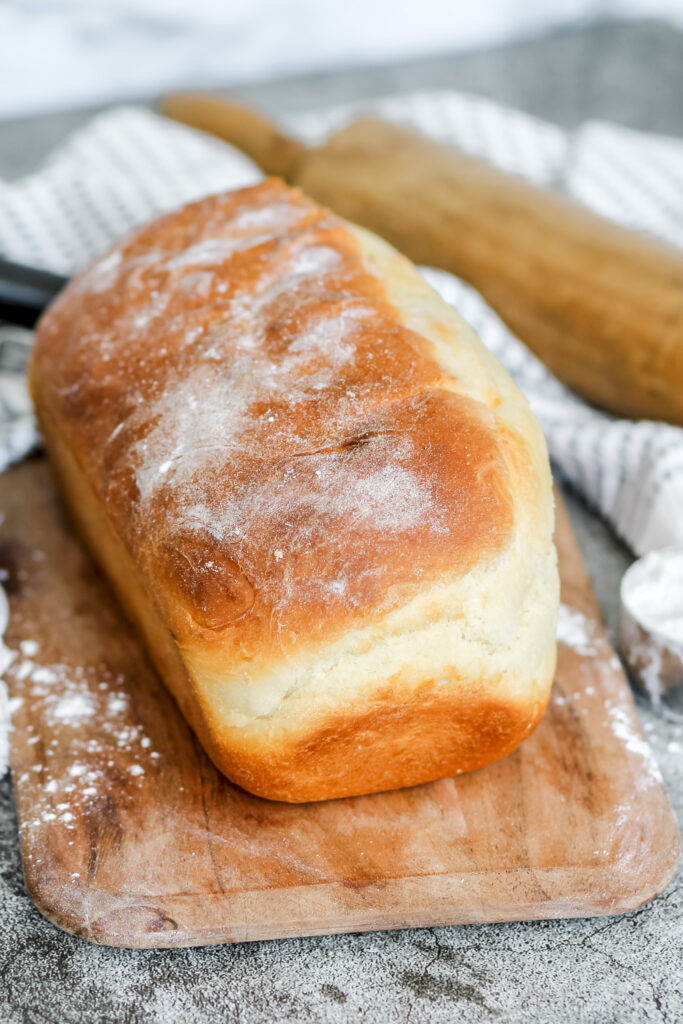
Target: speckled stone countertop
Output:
[(621, 969)]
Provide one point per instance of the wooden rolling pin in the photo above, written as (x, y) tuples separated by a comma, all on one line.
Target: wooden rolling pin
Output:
[(600, 305)]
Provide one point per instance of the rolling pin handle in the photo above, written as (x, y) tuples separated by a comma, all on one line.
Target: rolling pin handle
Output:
[(247, 129)]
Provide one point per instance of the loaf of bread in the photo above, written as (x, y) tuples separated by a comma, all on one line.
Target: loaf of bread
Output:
[(323, 503)]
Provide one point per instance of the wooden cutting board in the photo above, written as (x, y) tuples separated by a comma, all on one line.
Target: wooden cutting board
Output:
[(130, 836)]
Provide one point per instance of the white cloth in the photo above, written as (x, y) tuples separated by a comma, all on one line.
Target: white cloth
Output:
[(129, 165)]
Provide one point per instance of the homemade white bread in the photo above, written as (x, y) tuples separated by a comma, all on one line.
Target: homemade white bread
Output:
[(324, 504)]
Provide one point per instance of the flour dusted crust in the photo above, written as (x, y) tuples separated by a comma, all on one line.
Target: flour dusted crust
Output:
[(325, 505)]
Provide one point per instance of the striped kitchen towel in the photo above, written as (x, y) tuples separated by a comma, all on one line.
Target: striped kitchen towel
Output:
[(129, 165)]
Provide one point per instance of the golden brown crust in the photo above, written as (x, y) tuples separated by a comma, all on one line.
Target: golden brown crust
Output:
[(390, 746), (288, 470)]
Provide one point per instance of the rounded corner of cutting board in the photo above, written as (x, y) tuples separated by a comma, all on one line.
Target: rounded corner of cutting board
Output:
[(58, 901), (97, 916), (662, 869), (129, 926), (645, 872)]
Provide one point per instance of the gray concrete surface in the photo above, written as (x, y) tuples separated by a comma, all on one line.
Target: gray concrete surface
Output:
[(604, 971)]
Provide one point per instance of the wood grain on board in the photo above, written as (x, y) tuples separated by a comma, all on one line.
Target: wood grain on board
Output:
[(131, 837)]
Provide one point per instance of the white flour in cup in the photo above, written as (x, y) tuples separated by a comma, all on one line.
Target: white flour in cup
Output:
[(652, 591)]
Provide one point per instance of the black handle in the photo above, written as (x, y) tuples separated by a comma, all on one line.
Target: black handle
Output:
[(26, 292)]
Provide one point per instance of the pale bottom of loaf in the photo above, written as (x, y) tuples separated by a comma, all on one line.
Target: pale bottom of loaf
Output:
[(375, 734)]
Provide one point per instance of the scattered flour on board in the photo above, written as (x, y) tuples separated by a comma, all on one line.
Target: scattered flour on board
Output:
[(72, 707), (89, 712), (575, 630), (621, 720)]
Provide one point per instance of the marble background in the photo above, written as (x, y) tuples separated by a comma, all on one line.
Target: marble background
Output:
[(59, 54)]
